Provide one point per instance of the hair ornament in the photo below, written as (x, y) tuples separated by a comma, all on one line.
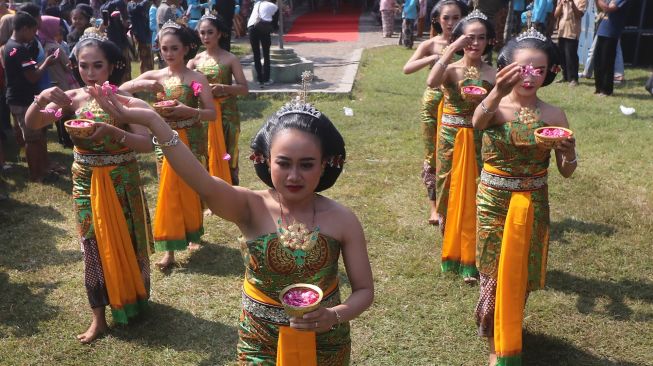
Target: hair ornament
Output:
[(298, 104), (120, 65), (336, 161), (93, 33), (476, 14), (555, 68), (531, 33), (209, 16), (257, 158), (171, 24)]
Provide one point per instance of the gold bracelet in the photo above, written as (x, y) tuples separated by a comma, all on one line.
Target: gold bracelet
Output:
[(485, 109), (338, 320), (174, 140)]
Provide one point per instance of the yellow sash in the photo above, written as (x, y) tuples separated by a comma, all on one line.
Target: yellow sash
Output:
[(294, 347), (218, 166), (178, 207), (512, 277), (122, 275), (438, 121), (459, 242)]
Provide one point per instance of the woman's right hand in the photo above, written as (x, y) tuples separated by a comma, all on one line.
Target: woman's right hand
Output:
[(54, 95), (507, 78), (462, 42), (118, 106)]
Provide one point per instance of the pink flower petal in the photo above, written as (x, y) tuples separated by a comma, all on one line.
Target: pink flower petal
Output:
[(13, 51), (47, 110), (89, 115), (58, 113), (197, 87), (226, 157)]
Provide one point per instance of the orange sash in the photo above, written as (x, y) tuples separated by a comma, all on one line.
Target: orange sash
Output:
[(178, 219), (122, 275), (459, 242), (512, 277), (294, 347), (218, 166)]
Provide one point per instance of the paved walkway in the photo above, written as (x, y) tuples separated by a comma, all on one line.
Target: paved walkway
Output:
[(335, 63)]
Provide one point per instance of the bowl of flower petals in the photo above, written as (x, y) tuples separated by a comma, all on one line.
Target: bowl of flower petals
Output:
[(473, 93), (547, 137), (300, 298), (80, 128), (160, 106)]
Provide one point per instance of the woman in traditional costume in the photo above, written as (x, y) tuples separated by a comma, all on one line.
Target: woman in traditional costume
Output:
[(458, 161), (444, 17), (513, 205), (291, 234), (112, 214), (178, 221), (221, 67)]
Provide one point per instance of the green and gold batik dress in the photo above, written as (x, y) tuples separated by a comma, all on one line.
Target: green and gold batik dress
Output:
[(458, 167), (223, 135), (513, 231), (269, 267), (113, 221), (178, 220)]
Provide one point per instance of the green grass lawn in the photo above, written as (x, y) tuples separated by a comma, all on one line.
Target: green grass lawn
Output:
[(597, 308)]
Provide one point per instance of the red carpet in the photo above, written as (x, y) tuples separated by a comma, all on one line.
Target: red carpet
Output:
[(324, 26)]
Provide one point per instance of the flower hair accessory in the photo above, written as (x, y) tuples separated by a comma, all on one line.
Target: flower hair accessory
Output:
[(336, 161), (531, 33), (298, 104), (257, 158), (197, 87), (555, 68)]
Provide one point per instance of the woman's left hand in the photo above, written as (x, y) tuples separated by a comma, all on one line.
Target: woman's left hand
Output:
[(567, 148), (118, 107), (101, 130), (320, 320), (179, 111)]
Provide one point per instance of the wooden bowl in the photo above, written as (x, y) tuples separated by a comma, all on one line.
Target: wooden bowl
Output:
[(473, 93), (547, 137), (294, 309), (80, 128), (159, 107)]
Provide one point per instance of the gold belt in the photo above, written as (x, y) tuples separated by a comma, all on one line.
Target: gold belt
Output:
[(103, 159), (275, 314), (186, 123), (513, 184), (456, 121)]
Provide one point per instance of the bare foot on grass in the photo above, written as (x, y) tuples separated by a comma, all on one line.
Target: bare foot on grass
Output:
[(193, 247), (166, 262), (208, 212), (98, 327)]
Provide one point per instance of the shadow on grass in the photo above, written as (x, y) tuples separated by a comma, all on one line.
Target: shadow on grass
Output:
[(558, 229), (21, 309), (544, 350), (28, 241), (590, 290), (166, 327), (215, 260)]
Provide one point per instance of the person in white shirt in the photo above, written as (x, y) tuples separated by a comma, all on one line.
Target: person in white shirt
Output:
[(260, 25)]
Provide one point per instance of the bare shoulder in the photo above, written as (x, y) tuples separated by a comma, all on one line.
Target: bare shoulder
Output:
[(152, 74), (337, 220), (553, 115), (198, 76)]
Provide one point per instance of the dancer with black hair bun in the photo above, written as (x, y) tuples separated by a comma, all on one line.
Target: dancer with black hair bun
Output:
[(444, 17), (221, 68), (112, 216), (178, 221), (458, 161), (298, 152), (512, 199)]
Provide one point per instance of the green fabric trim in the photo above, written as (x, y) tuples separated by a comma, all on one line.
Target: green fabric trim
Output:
[(121, 316), (179, 244), (509, 360), (467, 270), (450, 266)]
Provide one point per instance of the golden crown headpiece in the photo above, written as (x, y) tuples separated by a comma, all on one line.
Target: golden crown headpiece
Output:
[(93, 33), (171, 24)]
